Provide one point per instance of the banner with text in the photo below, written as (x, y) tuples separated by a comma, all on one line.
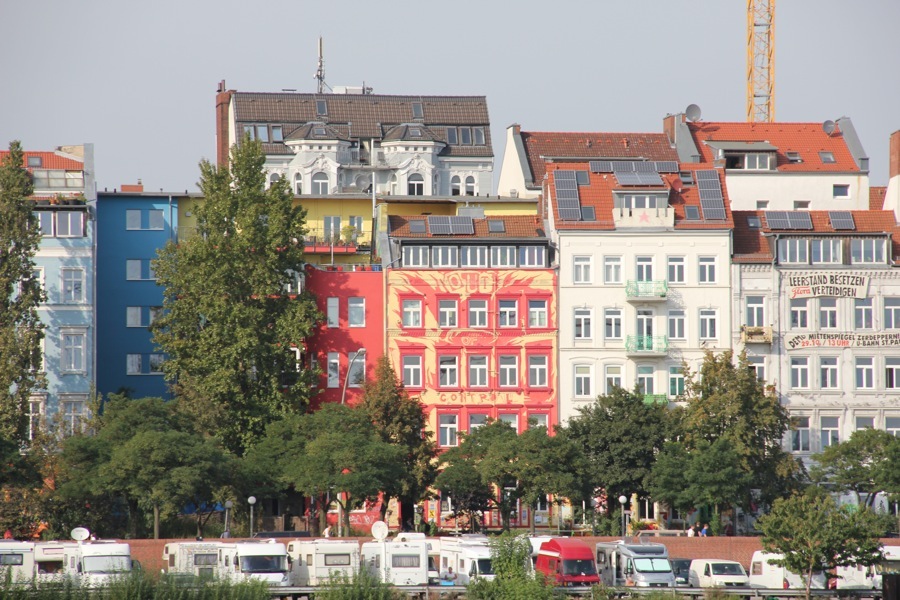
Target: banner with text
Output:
[(801, 341), (813, 284)]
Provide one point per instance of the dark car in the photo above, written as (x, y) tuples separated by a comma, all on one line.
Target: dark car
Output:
[(681, 567)]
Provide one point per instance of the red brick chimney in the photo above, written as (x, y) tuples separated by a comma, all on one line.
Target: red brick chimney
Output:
[(133, 188), (894, 168), (223, 101)]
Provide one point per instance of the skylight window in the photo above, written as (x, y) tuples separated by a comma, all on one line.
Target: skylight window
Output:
[(754, 222), (321, 108), (587, 213), (692, 213), (793, 157), (417, 110), (417, 226), (582, 178), (35, 161), (318, 131), (827, 157), (496, 226), (415, 132)]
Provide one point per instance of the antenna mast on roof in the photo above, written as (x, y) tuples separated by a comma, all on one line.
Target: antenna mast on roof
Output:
[(320, 71), (760, 61)]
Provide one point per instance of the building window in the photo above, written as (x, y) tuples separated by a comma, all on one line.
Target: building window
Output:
[(470, 186), (73, 352), (298, 183), (792, 251), (801, 204), (320, 185), (676, 324), (867, 251), (444, 256), (72, 286), (476, 421), (332, 306), (45, 219), (412, 371), (799, 313), (139, 270), (582, 269), (415, 256), (612, 269), (892, 425), (507, 315), (827, 313), (676, 382), (70, 224), (537, 371), (583, 377), (644, 268), (412, 313), (892, 313), (707, 269), (800, 434), (448, 371), (537, 313), (892, 372), (840, 191), (332, 229), (865, 423), (465, 136), (532, 256), (510, 419), (356, 312), (73, 416), (455, 185), (757, 364), (133, 364), (613, 377), (416, 185), (828, 372), (448, 425), (473, 256), (756, 316), (477, 313), (865, 372), (447, 313), (35, 417), (826, 252), (478, 371), (708, 318), (536, 420), (612, 318), (503, 256), (583, 328), (863, 313), (132, 219), (676, 269), (509, 371), (829, 427), (156, 363), (800, 372), (139, 316), (155, 220), (334, 370), (645, 379)]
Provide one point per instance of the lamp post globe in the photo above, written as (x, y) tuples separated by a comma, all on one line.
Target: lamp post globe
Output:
[(251, 501), (622, 500)]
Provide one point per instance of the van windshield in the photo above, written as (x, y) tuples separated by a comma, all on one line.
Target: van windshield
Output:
[(652, 565), (485, 567), (583, 566), (263, 564), (107, 564), (727, 569)]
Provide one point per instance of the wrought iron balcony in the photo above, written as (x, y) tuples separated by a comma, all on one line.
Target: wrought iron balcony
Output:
[(655, 399), (647, 345), (647, 291)]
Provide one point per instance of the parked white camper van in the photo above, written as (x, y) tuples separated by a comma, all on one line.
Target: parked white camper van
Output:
[(869, 578), (764, 574), (96, 563), (198, 559), (314, 562), (16, 561), (262, 560), (469, 555), (401, 561), (637, 564)]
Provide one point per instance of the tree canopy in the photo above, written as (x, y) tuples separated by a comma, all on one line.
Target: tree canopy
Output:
[(857, 465)]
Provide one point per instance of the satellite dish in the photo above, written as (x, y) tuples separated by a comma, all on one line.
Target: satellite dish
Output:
[(80, 534), (692, 112), (828, 126), (380, 530)]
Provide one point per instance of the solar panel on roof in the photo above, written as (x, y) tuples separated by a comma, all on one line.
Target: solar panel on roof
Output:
[(566, 184), (799, 220), (567, 195), (461, 225), (644, 166), (713, 210), (666, 166), (649, 178), (439, 225), (842, 219), (560, 175), (600, 166), (627, 178), (622, 165), (777, 219), (417, 226), (568, 202), (708, 184), (706, 174), (570, 214), (496, 226)]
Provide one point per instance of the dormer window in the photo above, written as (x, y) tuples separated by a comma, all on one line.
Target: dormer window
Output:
[(479, 135), (35, 161), (827, 157), (277, 133), (465, 136), (415, 132), (417, 112), (320, 131), (451, 136), (321, 108), (751, 161)]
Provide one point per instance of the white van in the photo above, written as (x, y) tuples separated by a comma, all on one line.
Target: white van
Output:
[(712, 572), (314, 562), (869, 578), (764, 574)]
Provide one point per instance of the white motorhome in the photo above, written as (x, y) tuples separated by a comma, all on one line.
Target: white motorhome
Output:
[(97, 562), (199, 559), (401, 561), (49, 560), (313, 562), (16, 561), (712, 572), (634, 564), (434, 559), (869, 578), (764, 574), (469, 557), (262, 560)]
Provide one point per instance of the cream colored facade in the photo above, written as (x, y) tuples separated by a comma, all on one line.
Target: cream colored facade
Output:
[(797, 191)]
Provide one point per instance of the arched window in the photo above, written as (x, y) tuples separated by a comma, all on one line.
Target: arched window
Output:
[(470, 186), (393, 185), (416, 185), (455, 188), (274, 177), (320, 184), (298, 183)]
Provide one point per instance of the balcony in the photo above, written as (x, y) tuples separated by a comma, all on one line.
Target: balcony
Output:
[(647, 291), (646, 345), (656, 399), (756, 335)]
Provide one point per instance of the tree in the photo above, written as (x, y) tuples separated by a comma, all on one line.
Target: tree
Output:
[(228, 328), (400, 421), (21, 331), (514, 579), (469, 495), (727, 401), (813, 534), (620, 436), (855, 465), (19, 478)]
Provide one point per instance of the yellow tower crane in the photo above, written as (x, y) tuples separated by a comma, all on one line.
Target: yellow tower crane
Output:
[(760, 61)]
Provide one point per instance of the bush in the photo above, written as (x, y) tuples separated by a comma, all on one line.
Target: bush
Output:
[(362, 586)]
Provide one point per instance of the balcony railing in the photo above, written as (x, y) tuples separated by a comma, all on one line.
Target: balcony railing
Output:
[(647, 290), (756, 334), (655, 399), (646, 344)]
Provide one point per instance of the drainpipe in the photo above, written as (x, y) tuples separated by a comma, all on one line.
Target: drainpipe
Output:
[(777, 335)]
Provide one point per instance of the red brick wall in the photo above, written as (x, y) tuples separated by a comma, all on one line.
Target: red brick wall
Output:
[(894, 163)]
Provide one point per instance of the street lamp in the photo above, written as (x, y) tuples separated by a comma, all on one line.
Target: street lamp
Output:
[(622, 501), (350, 370), (228, 506), (251, 501)]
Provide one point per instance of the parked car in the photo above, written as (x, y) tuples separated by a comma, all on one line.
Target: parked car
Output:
[(712, 572), (682, 569)]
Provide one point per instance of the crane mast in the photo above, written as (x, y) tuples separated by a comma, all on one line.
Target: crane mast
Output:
[(760, 61)]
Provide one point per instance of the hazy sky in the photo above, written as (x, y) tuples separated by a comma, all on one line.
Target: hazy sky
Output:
[(138, 78)]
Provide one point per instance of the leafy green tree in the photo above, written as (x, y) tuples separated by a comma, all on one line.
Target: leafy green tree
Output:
[(470, 496), (514, 579), (814, 534), (400, 421), (854, 465), (667, 482), (19, 480), (228, 328), (725, 400), (620, 436), (21, 331)]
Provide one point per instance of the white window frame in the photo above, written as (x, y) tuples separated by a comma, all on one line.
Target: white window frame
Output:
[(65, 221), (320, 184), (448, 312), (507, 314), (867, 251), (677, 324), (71, 286), (448, 429), (799, 372), (73, 350), (829, 430), (503, 256), (709, 329), (755, 311), (532, 256), (864, 313), (793, 251), (892, 372), (676, 382), (537, 313), (415, 256), (706, 270), (444, 257), (538, 368), (508, 371), (646, 379), (74, 412), (612, 377), (584, 319), (473, 257), (412, 370), (643, 268), (448, 371), (864, 370), (583, 380), (800, 434), (612, 324), (478, 313), (891, 312), (332, 311), (356, 311), (478, 370), (582, 269), (826, 251), (675, 269), (829, 372), (612, 270), (758, 364), (799, 308), (411, 313), (356, 369), (828, 313)]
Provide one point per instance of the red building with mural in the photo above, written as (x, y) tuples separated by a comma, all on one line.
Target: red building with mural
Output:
[(472, 323)]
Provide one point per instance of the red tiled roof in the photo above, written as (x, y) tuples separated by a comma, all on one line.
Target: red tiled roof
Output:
[(599, 195), (519, 226), (876, 197), (807, 139), (592, 146), (50, 160), (751, 244)]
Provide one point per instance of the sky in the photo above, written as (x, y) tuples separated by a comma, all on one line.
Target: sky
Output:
[(138, 78)]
